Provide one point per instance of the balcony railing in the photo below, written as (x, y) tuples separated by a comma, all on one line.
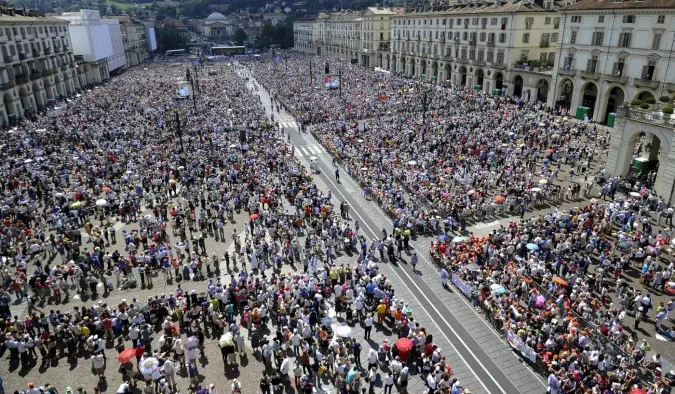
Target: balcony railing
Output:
[(647, 83), (22, 56), (6, 85), (670, 86), (544, 44), (491, 43), (8, 58), (616, 78), (48, 51), (35, 76), (64, 66), (589, 74), (651, 117), (472, 43), (567, 71)]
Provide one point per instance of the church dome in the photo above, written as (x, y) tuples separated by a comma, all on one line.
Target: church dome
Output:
[(216, 16)]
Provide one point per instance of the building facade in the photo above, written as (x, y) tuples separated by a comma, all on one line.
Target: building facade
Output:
[(135, 40), (503, 47), (614, 52), (303, 35), (376, 35), (118, 59), (362, 37), (90, 37), (38, 63), (217, 26)]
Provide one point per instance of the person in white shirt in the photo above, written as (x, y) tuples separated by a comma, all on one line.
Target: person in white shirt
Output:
[(169, 369), (388, 383), (98, 365)]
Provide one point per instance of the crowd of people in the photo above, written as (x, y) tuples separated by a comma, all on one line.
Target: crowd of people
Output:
[(169, 174), (462, 154), (555, 283)]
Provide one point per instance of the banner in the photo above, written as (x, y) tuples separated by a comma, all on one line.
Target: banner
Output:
[(525, 351), (463, 287)]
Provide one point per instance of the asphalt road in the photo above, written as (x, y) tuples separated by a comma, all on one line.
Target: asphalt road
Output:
[(370, 217)]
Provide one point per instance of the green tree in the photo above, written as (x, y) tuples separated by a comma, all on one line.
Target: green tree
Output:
[(239, 36), (168, 37)]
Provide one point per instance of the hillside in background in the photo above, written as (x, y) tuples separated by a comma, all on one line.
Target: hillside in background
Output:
[(195, 8)]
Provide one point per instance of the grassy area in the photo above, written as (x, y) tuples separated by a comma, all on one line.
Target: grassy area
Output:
[(128, 6)]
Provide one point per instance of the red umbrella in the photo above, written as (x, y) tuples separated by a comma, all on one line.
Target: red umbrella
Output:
[(127, 355), (404, 345), (254, 216), (637, 391)]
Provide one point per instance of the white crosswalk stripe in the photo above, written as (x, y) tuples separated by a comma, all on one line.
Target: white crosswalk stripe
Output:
[(309, 150)]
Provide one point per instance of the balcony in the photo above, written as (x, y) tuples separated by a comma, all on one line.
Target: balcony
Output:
[(461, 60), (589, 74), (651, 117), (646, 83), (490, 43), (35, 75), (6, 85), (64, 67), (22, 56), (479, 62), (20, 79), (670, 86), (47, 73), (567, 71), (48, 51), (8, 58), (544, 44), (616, 78), (57, 49), (472, 43)]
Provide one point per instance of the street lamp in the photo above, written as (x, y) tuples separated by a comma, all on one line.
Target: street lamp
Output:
[(192, 84), (175, 119)]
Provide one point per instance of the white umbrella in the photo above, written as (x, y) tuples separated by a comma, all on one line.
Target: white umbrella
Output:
[(101, 203), (536, 189), (149, 366), (634, 194), (226, 339), (343, 331), (233, 146), (412, 163), (28, 161)]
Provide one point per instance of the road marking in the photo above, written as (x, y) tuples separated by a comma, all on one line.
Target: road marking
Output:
[(297, 152), (314, 149), (304, 150), (438, 314)]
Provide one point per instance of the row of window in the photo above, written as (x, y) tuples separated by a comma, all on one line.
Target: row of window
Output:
[(598, 39), (25, 49), (546, 38), (15, 31), (660, 19), (465, 36), (618, 68)]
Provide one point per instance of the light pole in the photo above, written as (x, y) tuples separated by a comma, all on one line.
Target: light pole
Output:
[(192, 84)]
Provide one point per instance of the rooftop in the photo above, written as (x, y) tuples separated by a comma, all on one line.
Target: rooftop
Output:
[(618, 5)]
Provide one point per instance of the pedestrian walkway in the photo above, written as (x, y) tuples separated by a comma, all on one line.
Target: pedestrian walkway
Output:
[(309, 150)]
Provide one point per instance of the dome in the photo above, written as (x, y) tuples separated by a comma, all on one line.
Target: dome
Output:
[(216, 16)]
